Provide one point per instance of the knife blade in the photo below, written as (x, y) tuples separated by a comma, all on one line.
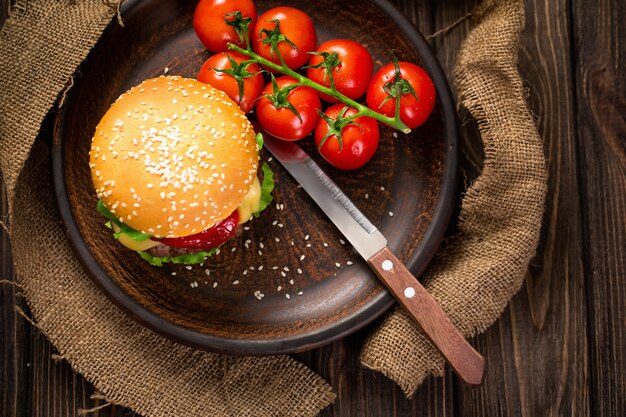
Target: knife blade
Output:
[(370, 243)]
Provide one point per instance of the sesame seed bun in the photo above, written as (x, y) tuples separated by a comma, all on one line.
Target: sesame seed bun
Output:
[(173, 156)]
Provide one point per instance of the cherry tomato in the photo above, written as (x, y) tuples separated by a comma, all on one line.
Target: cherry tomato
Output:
[(281, 121), (414, 110), (252, 79), (208, 239), (295, 25), (359, 140), (211, 28), (352, 69)]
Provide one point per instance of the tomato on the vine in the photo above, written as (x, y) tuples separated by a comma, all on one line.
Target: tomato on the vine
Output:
[(417, 92), (210, 24), (288, 31), (346, 144), (351, 65), (220, 72), (288, 113)]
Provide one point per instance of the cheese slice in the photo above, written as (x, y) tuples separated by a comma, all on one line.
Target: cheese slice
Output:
[(250, 204)]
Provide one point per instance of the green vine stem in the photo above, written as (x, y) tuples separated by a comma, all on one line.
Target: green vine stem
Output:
[(362, 110)]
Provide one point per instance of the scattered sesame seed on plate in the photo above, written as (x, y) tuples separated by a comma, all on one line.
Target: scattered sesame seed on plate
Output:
[(236, 282), (300, 292), (287, 296), (337, 264), (343, 242), (349, 263)]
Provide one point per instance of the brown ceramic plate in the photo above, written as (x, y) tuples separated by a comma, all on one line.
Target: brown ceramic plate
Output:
[(411, 176)]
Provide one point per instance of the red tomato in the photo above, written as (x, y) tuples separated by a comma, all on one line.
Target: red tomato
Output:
[(279, 120), (210, 26), (295, 25), (208, 239), (359, 140), (352, 70), (251, 78), (414, 110)]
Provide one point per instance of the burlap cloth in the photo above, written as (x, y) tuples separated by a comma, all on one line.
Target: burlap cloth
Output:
[(473, 278)]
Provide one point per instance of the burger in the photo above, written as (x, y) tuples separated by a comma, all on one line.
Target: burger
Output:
[(175, 165)]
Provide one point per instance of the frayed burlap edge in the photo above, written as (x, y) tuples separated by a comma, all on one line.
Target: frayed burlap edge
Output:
[(129, 364), (482, 267)]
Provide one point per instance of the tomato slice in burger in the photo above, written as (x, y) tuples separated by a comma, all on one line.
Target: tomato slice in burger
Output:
[(207, 239)]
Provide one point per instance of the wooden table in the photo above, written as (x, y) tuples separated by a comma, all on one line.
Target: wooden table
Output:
[(560, 347)]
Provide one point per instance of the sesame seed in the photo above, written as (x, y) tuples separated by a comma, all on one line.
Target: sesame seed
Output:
[(287, 296), (325, 244), (302, 258), (236, 282), (337, 264), (282, 274), (306, 237), (291, 281), (188, 267), (245, 272), (343, 242), (208, 272), (300, 293), (299, 271), (277, 239), (215, 284), (279, 288), (382, 188), (286, 269), (349, 263), (367, 196), (391, 214), (173, 273), (274, 268)]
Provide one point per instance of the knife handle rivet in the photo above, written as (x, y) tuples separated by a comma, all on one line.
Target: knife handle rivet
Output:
[(387, 265), (409, 292)]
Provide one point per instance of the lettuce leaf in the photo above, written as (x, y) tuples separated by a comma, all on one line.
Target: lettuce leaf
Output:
[(188, 259), (124, 228), (259, 141), (266, 189)]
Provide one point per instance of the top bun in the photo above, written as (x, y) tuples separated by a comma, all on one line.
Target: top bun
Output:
[(173, 156)]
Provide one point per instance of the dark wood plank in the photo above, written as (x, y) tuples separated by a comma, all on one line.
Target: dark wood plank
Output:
[(537, 352), (600, 88)]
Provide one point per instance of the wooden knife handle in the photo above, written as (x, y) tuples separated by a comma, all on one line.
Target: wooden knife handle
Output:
[(468, 364)]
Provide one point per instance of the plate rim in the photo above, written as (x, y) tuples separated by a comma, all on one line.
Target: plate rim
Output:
[(378, 305)]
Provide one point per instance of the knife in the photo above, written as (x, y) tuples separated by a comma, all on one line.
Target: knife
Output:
[(372, 246)]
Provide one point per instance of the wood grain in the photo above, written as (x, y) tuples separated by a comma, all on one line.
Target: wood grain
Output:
[(468, 364), (600, 87), (559, 348)]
